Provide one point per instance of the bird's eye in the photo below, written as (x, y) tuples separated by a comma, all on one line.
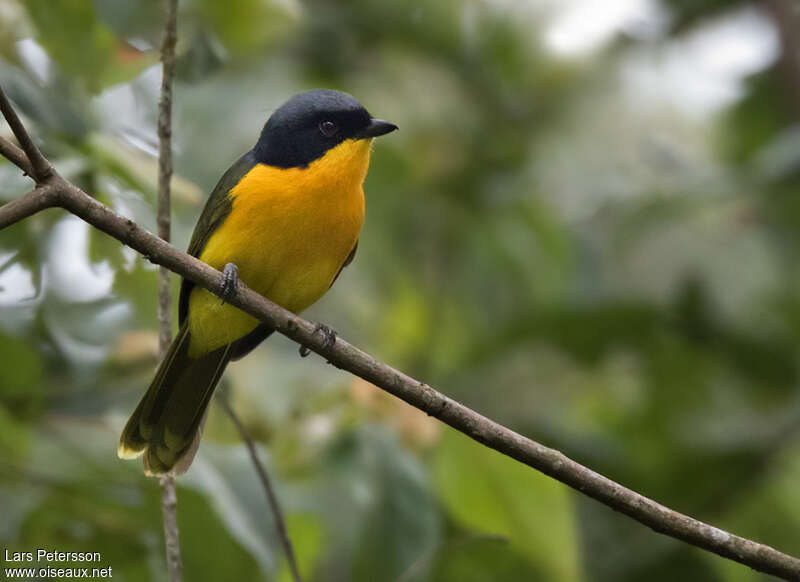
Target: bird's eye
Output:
[(328, 128)]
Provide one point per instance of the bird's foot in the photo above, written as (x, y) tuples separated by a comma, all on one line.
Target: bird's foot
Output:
[(328, 338), (230, 281)]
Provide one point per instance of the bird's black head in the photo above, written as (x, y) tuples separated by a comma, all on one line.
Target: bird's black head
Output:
[(309, 124)]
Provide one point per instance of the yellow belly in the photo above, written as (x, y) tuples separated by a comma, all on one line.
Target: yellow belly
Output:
[(289, 232)]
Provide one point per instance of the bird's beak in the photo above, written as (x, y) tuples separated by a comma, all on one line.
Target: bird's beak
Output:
[(375, 128)]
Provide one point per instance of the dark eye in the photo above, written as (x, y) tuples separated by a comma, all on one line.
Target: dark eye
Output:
[(328, 128)]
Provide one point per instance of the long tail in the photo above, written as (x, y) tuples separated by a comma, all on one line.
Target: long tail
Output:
[(166, 424)]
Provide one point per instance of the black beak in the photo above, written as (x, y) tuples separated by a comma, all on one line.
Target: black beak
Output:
[(375, 128)]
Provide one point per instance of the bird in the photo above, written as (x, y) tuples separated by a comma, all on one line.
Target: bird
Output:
[(284, 219)]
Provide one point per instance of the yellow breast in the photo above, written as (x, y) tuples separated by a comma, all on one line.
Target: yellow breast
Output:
[(289, 231)]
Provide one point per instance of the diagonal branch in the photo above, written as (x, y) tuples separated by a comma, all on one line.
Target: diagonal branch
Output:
[(272, 498), (15, 155), (36, 200), (40, 167), (348, 357)]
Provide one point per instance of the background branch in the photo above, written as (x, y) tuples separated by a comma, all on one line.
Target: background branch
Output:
[(346, 356), (40, 168), (15, 155), (169, 497), (272, 498)]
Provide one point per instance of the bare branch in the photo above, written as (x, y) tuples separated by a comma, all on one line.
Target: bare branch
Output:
[(40, 167), (15, 155), (34, 201), (169, 497), (169, 515), (272, 499), (165, 168), (346, 356)]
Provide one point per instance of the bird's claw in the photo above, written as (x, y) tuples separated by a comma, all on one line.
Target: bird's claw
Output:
[(230, 280), (328, 338)]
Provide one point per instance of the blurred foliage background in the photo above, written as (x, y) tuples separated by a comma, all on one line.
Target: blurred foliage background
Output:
[(585, 229)]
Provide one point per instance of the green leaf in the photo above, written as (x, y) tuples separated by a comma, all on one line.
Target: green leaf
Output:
[(488, 493), (246, 24), (103, 247), (306, 534), (226, 475), (204, 536), (21, 376), (382, 514), (73, 36), (401, 521), (479, 559), (138, 286)]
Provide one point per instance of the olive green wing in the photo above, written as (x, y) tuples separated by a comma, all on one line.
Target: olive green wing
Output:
[(216, 210)]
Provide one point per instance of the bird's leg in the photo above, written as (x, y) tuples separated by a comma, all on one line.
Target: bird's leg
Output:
[(230, 280), (328, 338)]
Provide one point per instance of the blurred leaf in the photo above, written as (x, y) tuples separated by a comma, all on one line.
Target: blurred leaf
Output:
[(482, 558), (104, 248), (56, 109), (204, 538), (307, 541), (228, 478), (381, 512), (72, 35), (14, 435), (137, 285), (141, 19), (73, 519), (757, 119), (21, 377), (491, 494), (688, 13), (245, 25), (82, 504), (766, 513), (204, 56)]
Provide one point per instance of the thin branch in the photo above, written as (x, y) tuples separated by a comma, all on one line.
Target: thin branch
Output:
[(169, 496), (34, 201), (15, 155), (483, 430), (39, 166), (272, 499), (165, 169), (169, 515)]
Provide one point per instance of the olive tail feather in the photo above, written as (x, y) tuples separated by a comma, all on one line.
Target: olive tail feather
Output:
[(166, 425)]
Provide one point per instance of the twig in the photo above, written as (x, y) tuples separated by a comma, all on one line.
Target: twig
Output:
[(15, 155), (169, 515), (272, 499), (165, 169), (36, 200), (40, 168), (346, 356), (169, 497)]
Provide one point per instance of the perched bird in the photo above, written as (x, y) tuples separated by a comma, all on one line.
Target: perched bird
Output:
[(285, 219)]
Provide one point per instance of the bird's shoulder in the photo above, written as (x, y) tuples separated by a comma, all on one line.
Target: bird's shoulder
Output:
[(219, 203), (217, 208)]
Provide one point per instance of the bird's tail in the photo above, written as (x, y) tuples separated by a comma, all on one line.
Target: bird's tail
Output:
[(166, 424)]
